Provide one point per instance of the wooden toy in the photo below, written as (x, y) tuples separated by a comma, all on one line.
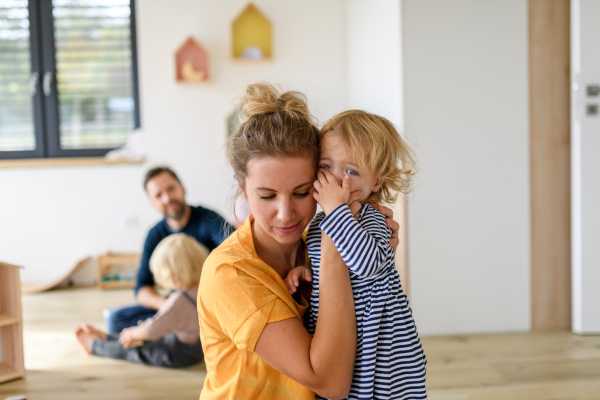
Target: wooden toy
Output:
[(115, 271)]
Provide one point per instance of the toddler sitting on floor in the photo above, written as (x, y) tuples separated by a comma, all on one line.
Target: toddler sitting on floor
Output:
[(171, 338)]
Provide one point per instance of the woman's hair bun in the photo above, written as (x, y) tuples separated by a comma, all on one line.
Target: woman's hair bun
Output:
[(264, 98)]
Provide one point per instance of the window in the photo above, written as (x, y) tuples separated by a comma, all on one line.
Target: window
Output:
[(68, 77)]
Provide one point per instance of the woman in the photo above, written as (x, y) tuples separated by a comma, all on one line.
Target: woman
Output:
[(251, 328)]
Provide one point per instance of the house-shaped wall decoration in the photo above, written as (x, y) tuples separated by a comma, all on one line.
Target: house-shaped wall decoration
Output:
[(191, 62), (251, 35)]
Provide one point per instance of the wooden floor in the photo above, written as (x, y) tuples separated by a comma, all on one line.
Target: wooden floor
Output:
[(531, 366)]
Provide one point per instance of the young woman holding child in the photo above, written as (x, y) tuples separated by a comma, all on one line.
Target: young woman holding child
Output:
[(251, 325), (170, 338)]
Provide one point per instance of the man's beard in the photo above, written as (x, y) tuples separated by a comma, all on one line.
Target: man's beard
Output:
[(176, 214)]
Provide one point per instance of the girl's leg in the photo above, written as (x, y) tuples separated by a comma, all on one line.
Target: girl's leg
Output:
[(165, 352), (96, 333)]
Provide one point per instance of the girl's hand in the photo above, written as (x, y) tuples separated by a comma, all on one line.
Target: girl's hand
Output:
[(328, 193), (133, 337), (354, 203), (296, 275)]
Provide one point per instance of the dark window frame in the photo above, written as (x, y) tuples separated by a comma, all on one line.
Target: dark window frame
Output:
[(46, 117)]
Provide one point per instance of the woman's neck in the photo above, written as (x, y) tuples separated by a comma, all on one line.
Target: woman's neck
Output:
[(281, 257)]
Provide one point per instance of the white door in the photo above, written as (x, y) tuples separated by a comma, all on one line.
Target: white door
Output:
[(585, 164)]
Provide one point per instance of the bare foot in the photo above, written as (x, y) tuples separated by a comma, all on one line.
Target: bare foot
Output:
[(84, 339), (96, 333)]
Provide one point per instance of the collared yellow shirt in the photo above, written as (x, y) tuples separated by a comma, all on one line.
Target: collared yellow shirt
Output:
[(238, 295)]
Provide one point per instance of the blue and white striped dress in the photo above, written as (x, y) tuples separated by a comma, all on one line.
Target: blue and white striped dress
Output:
[(390, 362)]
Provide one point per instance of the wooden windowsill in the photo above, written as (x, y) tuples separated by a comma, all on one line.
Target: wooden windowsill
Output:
[(62, 162)]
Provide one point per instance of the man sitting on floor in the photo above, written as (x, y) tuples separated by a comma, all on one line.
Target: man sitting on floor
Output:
[(167, 195)]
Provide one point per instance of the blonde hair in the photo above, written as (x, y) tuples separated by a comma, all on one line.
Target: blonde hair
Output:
[(378, 149), (274, 124), (177, 261)]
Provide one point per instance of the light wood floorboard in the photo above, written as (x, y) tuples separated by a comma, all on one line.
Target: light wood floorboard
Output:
[(534, 366)]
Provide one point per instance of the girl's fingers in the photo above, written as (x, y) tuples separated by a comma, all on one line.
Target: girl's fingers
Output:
[(330, 177), (318, 185), (322, 178), (355, 196), (307, 275), (346, 183)]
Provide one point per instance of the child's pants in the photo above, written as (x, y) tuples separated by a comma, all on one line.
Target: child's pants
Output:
[(168, 351)]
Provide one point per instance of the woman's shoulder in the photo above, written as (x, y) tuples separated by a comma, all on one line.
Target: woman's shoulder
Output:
[(225, 262), (235, 247)]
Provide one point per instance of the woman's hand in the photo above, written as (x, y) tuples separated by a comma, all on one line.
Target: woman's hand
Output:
[(295, 277), (133, 337), (389, 221)]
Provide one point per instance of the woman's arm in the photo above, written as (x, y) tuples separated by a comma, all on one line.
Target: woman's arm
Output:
[(325, 362)]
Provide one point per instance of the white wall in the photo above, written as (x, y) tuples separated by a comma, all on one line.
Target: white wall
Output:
[(585, 168), (466, 102), (374, 57), (374, 78), (52, 217)]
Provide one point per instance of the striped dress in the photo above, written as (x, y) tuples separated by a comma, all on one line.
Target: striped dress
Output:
[(390, 362)]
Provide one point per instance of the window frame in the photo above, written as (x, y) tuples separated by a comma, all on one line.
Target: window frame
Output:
[(46, 116)]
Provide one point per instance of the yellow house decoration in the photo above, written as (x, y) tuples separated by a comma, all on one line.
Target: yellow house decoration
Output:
[(251, 34)]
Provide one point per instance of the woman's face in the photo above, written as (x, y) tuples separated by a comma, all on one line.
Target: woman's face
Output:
[(279, 191)]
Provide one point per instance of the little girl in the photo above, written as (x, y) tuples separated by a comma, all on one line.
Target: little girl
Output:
[(170, 338), (363, 152)]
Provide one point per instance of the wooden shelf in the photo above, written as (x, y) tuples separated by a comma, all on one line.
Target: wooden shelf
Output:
[(117, 285), (6, 320), (112, 265), (8, 373), (12, 363)]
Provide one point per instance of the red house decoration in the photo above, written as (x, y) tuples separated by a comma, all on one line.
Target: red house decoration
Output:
[(191, 62)]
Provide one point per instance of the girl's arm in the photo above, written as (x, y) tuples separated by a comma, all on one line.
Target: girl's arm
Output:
[(365, 246), (134, 336), (325, 362), (173, 316)]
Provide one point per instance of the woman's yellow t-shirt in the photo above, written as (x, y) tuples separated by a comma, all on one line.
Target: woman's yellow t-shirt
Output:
[(239, 294)]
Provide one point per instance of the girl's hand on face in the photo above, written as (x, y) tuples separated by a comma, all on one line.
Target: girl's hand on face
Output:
[(296, 275), (328, 193)]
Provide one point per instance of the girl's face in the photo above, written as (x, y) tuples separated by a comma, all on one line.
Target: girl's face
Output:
[(337, 159), (279, 192)]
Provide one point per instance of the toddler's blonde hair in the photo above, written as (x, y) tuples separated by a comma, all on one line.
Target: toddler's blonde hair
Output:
[(378, 149), (177, 261)]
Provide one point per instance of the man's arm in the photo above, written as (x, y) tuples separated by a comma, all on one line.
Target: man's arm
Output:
[(145, 294), (148, 297)]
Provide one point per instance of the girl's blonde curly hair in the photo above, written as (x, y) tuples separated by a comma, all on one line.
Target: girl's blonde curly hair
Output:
[(378, 149)]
